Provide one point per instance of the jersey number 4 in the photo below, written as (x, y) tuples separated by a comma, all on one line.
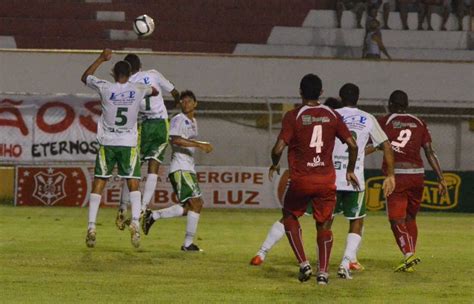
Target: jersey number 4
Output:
[(317, 138), (403, 138)]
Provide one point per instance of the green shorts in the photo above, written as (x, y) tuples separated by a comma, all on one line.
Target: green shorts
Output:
[(126, 158), (154, 134), (351, 204), (185, 185)]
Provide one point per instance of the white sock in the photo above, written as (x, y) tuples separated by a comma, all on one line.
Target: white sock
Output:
[(149, 190), (191, 227), (124, 197), (173, 211), (352, 244), (94, 203), (274, 235), (135, 201)]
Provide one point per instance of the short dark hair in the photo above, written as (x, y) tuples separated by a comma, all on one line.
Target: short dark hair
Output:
[(134, 61), (311, 86), (122, 68), (187, 93), (399, 99), (349, 94), (333, 103)]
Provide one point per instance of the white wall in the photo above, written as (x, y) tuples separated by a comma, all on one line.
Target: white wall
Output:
[(249, 76), (51, 72)]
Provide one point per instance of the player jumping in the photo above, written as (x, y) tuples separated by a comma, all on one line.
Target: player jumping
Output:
[(182, 175), (117, 135), (154, 131), (310, 132), (407, 135)]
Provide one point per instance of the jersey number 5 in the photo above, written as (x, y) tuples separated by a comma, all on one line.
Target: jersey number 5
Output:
[(121, 119), (317, 138), (403, 138)]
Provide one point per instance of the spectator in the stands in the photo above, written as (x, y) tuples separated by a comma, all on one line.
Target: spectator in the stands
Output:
[(373, 44), (463, 8), (385, 5), (357, 6), (372, 13), (425, 10), (405, 6)]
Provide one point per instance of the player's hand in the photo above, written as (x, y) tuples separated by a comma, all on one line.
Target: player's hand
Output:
[(272, 171), (106, 55), (207, 147), (352, 179), (388, 185), (442, 187)]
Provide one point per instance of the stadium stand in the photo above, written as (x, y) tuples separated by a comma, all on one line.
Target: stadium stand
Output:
[(183, 26), (319, 37), (243, 27)]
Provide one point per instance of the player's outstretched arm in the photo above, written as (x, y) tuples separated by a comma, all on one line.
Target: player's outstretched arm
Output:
[(191, 143), (389, 182), (353, 151), (175, 94), (434, 163), (277, 151), (106, 55)]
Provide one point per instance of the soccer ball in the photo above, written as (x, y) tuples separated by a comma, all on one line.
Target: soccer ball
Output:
[(143, 25)]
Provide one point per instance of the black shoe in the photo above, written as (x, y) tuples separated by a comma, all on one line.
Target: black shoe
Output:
[(192, 247), (322, 278), (147, 221), (305, 273)]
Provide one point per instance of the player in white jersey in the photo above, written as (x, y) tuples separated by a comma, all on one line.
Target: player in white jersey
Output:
[(351, 201), (183, 133), (117, 135), (154, 131)]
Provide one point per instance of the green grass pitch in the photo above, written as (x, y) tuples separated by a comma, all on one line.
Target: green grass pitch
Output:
[(43, 259)]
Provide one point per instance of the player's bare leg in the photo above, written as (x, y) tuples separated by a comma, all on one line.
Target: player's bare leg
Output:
[(135, 202), (275, 234), (339, 9), (150, 184), (386, 14), (193, 212), (324, 240), (94, 203), (293, 232)]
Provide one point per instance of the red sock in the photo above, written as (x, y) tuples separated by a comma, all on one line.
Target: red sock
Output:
[(293, 232), (324, 239), (403, 238), (413, 231)]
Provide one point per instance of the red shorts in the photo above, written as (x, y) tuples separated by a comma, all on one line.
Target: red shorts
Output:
[(322, 197), (406, 198)]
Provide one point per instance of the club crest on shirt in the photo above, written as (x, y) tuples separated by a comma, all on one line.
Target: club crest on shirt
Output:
[(316, 162), (309, 120), (402, 125)]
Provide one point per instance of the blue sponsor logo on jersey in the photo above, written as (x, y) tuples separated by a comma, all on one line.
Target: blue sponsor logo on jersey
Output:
[(146, 80), (127, 96)]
